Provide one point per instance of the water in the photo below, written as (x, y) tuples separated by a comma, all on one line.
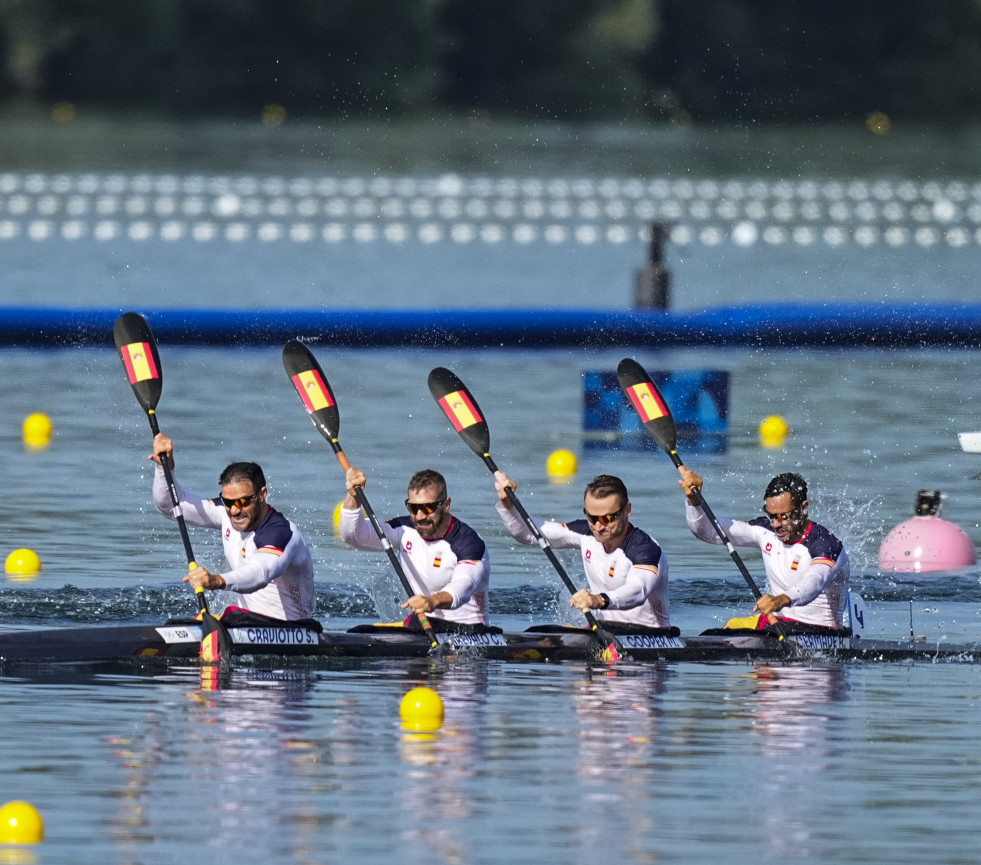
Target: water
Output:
[(560, 762)]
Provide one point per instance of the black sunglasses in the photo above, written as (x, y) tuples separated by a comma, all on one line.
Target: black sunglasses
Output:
[(426, 507), (239, 503), (782, 518), (603, 519)]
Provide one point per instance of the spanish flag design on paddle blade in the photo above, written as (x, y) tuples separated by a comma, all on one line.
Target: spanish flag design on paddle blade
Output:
[(312, 390), (210, 650), (647, 402), (139, 363), (460, 410)]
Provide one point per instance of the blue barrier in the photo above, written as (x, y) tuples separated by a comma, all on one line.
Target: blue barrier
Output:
[(699, 402), (790, 325)]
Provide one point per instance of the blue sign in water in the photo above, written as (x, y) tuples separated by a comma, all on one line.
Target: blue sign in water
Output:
[(698, 399)]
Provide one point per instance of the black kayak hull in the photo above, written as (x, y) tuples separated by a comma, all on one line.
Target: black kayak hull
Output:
[(181, 642)]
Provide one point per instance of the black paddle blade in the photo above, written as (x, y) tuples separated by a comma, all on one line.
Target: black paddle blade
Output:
[(461, 409), (140, 357), (312, 388), (216, 647), (649, 403), (606, 647)]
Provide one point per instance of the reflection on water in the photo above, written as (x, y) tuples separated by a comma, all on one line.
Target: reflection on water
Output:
[(534, 762), (435, 802), (794, 714), (790, 710), (241, 748), (619, 714)]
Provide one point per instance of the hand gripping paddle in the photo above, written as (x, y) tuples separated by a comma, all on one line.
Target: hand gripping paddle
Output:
[(141, 360), (314, 391), (657, 419), (461, 409)]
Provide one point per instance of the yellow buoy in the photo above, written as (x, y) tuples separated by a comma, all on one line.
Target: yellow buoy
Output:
[(773, 432), (878, 123), (421, 710), (23, 561), (562, 465), (20, 823), (37, 430)]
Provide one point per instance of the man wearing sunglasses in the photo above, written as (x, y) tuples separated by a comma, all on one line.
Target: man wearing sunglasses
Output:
[(625, 567), (806, 565), (271, 569), (445, 561)]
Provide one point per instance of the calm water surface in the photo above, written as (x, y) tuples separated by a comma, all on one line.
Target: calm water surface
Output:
[(566, 763)]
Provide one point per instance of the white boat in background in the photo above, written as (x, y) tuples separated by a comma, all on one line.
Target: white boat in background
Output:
[(970, 442)]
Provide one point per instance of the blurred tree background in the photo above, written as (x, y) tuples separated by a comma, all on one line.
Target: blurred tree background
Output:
[(718, 60)]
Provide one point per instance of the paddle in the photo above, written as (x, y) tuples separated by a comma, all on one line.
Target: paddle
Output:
[(461, 409), (141, 360), (656, 417), (318, 399)]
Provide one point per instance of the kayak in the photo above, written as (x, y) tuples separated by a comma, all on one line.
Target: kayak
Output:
[(180, 642)]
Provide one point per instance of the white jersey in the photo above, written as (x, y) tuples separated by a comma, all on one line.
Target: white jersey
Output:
[(271, 567), (457, 563), (634, 575), (813, 572)]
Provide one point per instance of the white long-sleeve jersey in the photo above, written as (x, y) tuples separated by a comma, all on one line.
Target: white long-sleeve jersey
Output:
[(634, 575), (813, 572), (271, 567), (458, 562)]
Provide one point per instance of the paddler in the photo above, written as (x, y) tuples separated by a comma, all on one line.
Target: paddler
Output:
[(445, 561), (271, 569), (626, 569), (806, 565)]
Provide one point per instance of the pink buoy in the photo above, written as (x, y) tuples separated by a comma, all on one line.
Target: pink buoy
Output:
[(926, 542)]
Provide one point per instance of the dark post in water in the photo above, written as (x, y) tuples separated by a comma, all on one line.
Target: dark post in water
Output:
[(653, 284)]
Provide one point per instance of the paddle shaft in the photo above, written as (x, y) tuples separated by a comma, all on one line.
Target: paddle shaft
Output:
[(386, 544), (178, 513), (541, 539), (747, 576), (722, 533), (461, 409)]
